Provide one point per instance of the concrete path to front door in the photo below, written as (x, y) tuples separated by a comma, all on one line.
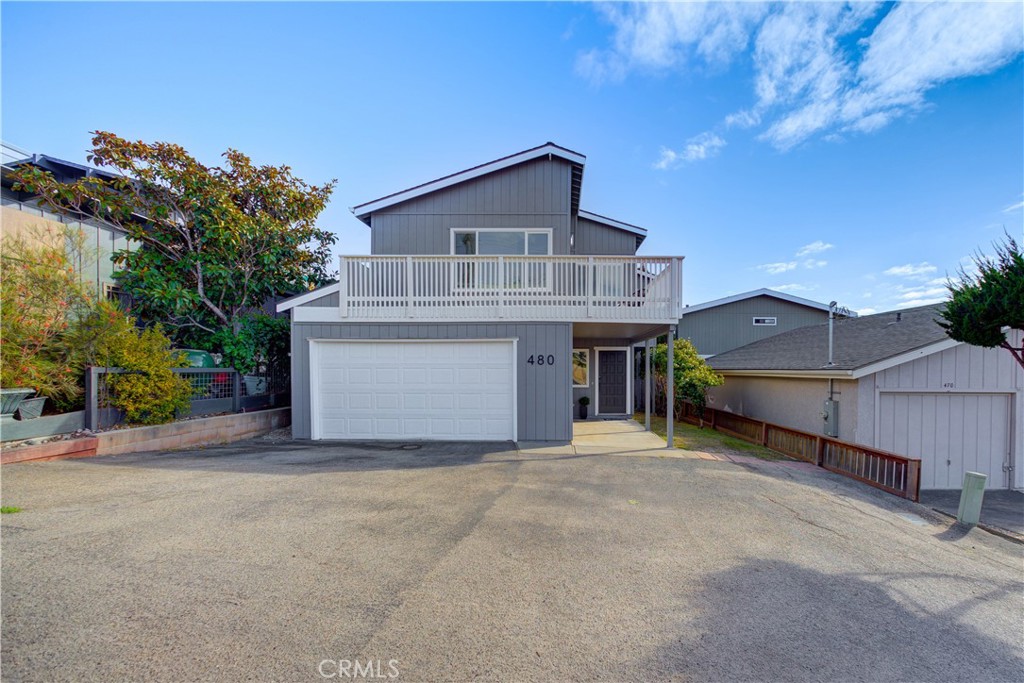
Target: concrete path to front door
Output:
[(606, 437)]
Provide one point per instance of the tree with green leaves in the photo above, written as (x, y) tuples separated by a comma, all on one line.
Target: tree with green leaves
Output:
[(692, 376), (212, 243), (983, 304)]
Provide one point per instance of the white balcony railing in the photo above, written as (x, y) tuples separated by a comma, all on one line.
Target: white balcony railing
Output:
[(579, 288)]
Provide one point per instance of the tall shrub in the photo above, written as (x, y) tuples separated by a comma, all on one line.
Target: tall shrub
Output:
[(692, 377), (40, 298), (149, 392)]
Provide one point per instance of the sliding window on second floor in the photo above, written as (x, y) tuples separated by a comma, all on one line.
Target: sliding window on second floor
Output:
[(501, 242)]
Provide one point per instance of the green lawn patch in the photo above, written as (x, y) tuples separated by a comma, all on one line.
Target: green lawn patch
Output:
[(9, 510), (692, 438)]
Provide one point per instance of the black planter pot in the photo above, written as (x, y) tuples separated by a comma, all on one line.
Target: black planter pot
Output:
[(583, 412)]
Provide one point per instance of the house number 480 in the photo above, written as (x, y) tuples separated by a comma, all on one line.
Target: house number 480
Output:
[(541, 360)]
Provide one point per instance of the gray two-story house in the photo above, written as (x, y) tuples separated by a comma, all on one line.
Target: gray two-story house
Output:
[(490, 303)]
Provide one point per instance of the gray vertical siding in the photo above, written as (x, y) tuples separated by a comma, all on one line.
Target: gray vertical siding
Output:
[(730, 326), (529, 195), (962, 369), (329, 301), (594, 239), (543, 393)]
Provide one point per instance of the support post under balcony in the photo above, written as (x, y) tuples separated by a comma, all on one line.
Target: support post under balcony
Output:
[(647, 384), (670, 389)]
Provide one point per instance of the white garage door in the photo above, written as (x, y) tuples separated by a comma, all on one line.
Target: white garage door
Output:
[(951, 433), (451, 390)]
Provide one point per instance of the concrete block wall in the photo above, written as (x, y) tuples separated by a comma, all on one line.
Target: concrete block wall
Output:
[(201, 432)]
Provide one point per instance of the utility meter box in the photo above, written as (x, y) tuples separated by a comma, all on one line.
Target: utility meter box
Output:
[(830, 413)]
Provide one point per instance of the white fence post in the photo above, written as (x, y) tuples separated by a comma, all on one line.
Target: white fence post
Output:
[(501, 286), (591, 284), (343, 288), (408, 286)]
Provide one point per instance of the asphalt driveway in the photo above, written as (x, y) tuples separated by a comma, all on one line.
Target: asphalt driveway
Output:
[(278, 561)]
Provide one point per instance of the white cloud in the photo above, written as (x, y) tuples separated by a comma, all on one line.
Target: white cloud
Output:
[(930, 293), (697, 148), (810, 78), (920, 302), (815, 263), (815, 247), (1014, 207), (776, 268), (795, 288), (864, 311), (912, 270)]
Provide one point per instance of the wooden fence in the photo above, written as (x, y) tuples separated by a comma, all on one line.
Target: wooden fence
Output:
[(896, 474)]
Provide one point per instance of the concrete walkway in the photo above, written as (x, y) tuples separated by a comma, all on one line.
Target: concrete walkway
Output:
[(604, 437)]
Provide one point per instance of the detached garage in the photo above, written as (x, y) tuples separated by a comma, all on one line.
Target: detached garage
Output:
[(413, 389), (952, 433), (897, 383)]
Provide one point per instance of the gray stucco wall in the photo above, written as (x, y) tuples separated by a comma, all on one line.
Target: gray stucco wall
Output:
[(543, 392), (795, 403), (723, 328), (594, 239), (531, 195)]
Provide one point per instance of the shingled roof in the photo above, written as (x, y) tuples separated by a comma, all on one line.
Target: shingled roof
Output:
[(857, 342)]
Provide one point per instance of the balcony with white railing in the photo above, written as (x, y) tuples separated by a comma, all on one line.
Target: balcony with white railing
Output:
[(563, 288)]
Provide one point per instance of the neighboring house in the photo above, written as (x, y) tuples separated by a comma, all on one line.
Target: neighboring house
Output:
[(724, 324), (899, 384), (23, 215), (489, 305)]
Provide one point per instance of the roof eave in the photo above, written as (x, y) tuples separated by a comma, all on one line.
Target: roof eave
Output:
[(764, 291), (793, 374), (612, 223)]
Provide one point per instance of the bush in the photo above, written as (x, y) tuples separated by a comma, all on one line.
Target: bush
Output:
[(691, 376), (41, 297), (148, 392)]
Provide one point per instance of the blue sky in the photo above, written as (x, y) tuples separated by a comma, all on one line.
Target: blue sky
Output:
[(850, 152)]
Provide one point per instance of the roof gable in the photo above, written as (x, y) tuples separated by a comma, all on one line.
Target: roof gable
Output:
[(363, 211), (755, 293)]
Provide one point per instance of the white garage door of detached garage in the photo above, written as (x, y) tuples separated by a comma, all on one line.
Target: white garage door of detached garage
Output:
[(951, 433), (436, 390)]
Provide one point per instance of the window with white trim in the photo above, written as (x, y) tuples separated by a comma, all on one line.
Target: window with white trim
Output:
[(581, 368), (501, 242), (770, 321), (519, 274)]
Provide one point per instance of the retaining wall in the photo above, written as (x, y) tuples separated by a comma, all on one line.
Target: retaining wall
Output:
[(201, 432)]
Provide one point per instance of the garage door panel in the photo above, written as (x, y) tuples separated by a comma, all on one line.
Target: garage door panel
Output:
[(414, 390), (951, 433)]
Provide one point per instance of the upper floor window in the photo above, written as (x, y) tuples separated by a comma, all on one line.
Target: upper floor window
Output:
[(501, 242), (766, 321)]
